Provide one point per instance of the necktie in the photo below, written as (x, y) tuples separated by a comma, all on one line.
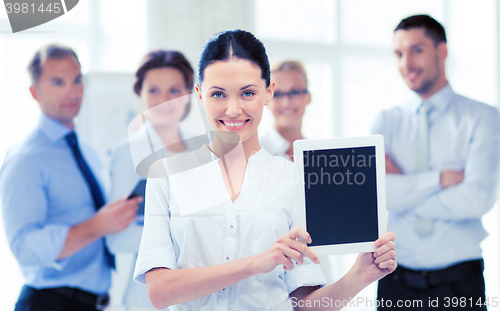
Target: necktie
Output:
[(423, 226), (92, 183), (423, 138)]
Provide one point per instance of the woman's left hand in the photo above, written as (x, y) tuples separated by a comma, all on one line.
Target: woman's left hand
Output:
[(371, 267)]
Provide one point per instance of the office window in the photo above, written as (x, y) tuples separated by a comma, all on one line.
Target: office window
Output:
[(123, 34), (296, 20), (370, 23), (358, 56), (369, 84)]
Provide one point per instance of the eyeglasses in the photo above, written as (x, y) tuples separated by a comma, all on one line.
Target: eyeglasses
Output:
[(291, 95)]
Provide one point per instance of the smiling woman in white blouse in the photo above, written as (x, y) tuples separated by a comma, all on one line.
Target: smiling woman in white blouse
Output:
[(235, 246)]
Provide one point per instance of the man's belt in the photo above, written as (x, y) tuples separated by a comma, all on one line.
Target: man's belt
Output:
[(97, 301), (424, 279)]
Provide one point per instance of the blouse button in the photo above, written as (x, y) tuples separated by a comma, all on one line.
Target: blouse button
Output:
[(227, 258), (231, 227)]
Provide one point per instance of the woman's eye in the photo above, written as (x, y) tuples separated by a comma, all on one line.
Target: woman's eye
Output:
[(175, 91), (248, 93), (58, 82), (153, 91), (217, 95)]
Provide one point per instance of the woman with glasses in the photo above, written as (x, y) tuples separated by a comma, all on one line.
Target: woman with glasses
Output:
[(287, 106)]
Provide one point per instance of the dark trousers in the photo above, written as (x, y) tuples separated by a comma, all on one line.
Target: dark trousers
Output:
[(457, 287), (32, 299)]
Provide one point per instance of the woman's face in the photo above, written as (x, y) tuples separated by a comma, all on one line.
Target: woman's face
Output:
[(164, 96), (234, 95), (289, 109)]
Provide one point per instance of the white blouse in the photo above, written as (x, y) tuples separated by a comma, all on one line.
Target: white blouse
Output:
[(177, 238)]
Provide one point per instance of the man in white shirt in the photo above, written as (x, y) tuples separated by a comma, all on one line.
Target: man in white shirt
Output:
[(442, 163)]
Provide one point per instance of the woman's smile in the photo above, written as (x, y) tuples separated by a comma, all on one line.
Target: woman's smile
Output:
[(234, 125), (234, 94)]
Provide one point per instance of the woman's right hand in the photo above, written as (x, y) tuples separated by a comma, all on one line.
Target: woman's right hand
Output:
[(284, 250)]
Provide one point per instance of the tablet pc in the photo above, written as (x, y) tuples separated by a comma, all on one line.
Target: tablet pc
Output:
[(341, 193), (139, 191)]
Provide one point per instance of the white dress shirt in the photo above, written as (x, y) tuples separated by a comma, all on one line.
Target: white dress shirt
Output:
[(271, 140), (464, 135), (263, 212)]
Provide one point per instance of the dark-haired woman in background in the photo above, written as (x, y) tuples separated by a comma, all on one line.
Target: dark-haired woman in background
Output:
[(164, 82), (242, 253)]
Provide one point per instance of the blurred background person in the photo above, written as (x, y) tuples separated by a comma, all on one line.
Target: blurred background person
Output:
[(164, 82), (288, 105), (53, 208), (442, 163)]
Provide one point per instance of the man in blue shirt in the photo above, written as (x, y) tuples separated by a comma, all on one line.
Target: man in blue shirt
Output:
[(442, 166), (52, 205)]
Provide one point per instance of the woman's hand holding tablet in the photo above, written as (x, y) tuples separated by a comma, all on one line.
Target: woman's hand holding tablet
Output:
[(368, 268), (284, 250), (371, 267)]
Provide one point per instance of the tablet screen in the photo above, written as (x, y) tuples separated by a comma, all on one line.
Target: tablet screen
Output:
[(341, 195)]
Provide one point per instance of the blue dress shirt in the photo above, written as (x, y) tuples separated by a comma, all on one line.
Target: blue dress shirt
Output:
[(464, 135), (43, 195)]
